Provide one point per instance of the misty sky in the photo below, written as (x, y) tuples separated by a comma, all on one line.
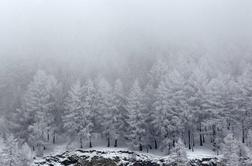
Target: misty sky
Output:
[(109, 30)]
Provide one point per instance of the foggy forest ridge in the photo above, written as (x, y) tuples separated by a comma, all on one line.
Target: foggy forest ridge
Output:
[(168, 77)]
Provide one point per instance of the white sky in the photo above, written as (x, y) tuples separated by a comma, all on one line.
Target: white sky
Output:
[(106, 29)]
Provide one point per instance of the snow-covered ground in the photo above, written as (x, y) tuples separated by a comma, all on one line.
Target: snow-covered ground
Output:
[(201, 152), (119, 155), (198, 153), (111, 153), (122, 154)]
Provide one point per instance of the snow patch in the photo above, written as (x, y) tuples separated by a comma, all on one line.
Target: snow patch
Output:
[(200, 153)]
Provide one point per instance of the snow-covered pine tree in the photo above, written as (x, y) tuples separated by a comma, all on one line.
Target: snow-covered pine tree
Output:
[(119, 115), (10, 154), (245, 85), (198, 101), (168, 107), (159, 119), (74, 112), (189, 99), (57, 98), (244, 154), (235, 153), (19, 123), (149, 98), (104, 104), (216, 125), (157, 72), (136, 108), (238, 112), (38, 106), (230, 151), (89, 102), (178, 153), (26, 154)]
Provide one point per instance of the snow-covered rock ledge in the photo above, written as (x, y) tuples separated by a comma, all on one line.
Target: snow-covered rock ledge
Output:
[(118, 157)]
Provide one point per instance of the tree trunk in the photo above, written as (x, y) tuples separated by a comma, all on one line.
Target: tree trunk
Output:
[(189, 139), (90, 143), (228, 126), (214, 130), (155, 142), (48, 136), (108, 142), (214, 134), (169, 150), (184, 138), (201, 140), (43, 136), (81, 146), (193, 143), (140, 147), (243, 133), (201, 137), (115, 143), (54, 137)]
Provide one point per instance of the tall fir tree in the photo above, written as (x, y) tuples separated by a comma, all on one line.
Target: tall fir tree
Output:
[(89, 109), (178, 153), (74, 112), (230, 151), (167, 120), (36, 113), (105, 108), (136, 110), (10, 153), (119, 115)]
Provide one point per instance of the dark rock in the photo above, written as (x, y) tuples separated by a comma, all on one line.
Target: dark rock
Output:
[(118, 158), (70, 160), (205, 162)]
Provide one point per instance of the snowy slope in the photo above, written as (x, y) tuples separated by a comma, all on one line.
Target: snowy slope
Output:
[(200, 153), (111, 157)]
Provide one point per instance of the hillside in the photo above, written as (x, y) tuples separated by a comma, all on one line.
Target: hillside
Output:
[(116, 157)]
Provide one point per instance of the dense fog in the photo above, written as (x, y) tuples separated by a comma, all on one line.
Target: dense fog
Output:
[(201, 48), (95, 33), (109, 36)]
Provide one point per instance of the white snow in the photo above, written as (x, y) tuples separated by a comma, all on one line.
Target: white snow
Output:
[(200, 153)]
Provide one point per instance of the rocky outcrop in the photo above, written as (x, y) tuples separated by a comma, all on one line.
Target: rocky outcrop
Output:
[(116, 158), (205, 162)]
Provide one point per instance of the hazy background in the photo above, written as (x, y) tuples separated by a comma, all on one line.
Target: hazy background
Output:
[(96, 32), (73, 38)]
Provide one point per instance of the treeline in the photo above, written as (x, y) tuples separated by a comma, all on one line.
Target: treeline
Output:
[(185, 101), (172, 104)]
